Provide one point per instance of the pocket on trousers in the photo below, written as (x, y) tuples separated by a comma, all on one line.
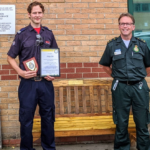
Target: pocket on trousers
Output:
[(53, 114), (21, 115), (26, 117), (115, 117)]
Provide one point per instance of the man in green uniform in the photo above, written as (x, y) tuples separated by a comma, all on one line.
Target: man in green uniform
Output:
[(130, 61)]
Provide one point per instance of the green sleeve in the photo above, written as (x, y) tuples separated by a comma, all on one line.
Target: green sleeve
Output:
[(106, 59), (147, 56)]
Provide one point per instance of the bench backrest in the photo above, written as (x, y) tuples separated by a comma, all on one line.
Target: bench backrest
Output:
[(82, 97)]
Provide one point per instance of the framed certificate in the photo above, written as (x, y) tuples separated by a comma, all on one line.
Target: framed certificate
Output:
[(50, 62)]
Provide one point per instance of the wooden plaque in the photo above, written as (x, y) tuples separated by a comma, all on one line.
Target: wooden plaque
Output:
[(31, 64)]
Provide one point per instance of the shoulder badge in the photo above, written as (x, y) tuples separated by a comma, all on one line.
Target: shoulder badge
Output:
[(140, 39), (21, 30), (47, 28), (112, 40)]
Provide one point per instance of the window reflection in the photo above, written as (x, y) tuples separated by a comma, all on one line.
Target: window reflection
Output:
[(141, 14)]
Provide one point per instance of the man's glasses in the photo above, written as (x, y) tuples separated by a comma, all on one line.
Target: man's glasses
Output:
[(39, 40), (127, 24)]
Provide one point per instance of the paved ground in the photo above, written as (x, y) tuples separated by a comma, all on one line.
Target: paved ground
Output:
[(100, 146)]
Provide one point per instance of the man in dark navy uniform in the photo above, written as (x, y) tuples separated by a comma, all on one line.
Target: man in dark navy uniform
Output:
[(34, 89), (130, 61)]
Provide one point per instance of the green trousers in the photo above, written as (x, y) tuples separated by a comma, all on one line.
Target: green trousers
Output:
[(124, 97)]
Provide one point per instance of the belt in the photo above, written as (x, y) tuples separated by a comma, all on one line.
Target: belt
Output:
[(37, 78), (130, 82)]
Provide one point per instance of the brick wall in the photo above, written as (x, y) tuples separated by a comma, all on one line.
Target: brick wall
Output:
[(82, 29)]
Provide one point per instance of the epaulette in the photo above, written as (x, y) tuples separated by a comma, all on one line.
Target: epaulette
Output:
[(112, 40), (140, 39), (47, 28), (21, 30)]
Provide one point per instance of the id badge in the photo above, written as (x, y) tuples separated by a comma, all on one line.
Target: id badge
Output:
[(117, 52)]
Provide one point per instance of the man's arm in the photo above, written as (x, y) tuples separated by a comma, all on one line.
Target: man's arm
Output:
[(107, 69), (148, 70), (106, 60), (22, 73)]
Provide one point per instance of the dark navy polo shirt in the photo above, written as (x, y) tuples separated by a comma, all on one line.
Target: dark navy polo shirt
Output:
[(25, 45)]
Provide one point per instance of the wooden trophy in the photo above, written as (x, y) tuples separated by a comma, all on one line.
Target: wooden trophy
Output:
[(31, 64)]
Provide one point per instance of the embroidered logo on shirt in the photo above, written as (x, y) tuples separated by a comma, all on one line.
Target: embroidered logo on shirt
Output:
[(47, 42), (136, 49), (117, 52)]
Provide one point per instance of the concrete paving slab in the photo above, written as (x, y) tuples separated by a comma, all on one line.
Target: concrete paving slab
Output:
[(99, 146)]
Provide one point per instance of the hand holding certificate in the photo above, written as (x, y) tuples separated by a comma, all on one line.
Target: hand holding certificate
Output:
[(50, 62)]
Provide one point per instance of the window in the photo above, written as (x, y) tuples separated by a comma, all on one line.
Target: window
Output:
[(137, 7), (141, 12), (142, 7)]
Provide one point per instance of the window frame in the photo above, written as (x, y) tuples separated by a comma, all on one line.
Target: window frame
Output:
[(130, 6)]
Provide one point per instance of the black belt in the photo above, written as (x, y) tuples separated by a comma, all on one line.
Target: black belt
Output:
[(130, 82), (37, 78)]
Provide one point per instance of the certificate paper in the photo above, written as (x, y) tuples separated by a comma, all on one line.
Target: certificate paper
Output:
[(50, 62)]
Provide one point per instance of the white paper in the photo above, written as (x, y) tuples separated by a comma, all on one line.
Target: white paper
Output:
[(50, 64), (7, 19)]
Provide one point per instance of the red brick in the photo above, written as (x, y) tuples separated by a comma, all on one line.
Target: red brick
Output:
[(68, 139), (5, 142), (38, 141), (6, 67), (67, 70), (77, 75), (10, 77), (90, 75), (13, 72), (84, 138), (148, 75), (74, 64), (98, 70), (58, 139), (90, 64), (13, 142), (63, 65), (111, 137), (4, 72), (103, 75), (83, 70), (18, 141), (98, 138), (62, 76)]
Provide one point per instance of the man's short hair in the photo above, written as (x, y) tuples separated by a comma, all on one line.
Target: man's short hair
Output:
[(127, 15), (35, 3)]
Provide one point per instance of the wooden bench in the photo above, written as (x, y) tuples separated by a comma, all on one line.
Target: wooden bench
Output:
[(83, 108)]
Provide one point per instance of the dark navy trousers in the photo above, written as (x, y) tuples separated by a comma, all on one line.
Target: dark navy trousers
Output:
[(32, 93)]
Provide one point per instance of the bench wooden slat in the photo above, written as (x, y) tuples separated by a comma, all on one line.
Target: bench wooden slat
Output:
[(106, 101), (84, 100), (76, 100), (82, 132), (91, 99), (69, 99), (61, 100), (82, 123), (83, 82), (99, 99)]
